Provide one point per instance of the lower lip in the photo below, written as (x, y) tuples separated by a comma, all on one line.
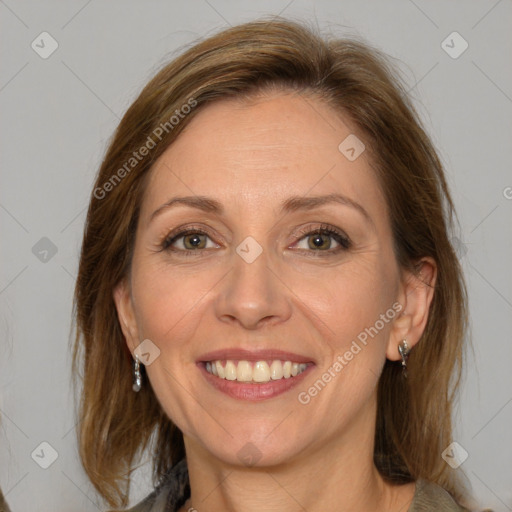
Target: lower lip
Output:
[(253, 392)]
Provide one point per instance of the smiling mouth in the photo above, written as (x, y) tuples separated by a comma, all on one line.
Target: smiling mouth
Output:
[(255, 372)]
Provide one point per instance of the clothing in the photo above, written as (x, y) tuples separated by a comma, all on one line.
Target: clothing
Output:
[(430, 497), (174, 491)]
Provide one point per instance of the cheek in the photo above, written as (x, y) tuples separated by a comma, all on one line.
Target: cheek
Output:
[(355, 299), (346, 309), (168, 300), (355, 315), (170, 304)]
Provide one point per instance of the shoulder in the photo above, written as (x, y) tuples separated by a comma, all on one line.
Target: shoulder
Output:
[(170, 495), (430, 497)]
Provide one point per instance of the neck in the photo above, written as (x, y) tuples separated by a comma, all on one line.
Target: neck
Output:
[(337, 476)]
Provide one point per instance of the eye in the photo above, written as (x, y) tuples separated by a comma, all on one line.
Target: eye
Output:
[(319, 239), (188, 240), (323, 239)]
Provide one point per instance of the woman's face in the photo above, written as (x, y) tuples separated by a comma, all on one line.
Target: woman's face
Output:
[(287, 256)]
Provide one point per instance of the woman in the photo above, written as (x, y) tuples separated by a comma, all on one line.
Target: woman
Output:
[(267, 296)]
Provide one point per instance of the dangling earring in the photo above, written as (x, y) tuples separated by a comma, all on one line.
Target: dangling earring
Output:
[(404, 351), (137, 377)]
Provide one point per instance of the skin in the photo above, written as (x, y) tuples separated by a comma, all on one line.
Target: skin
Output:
[(251, 156)]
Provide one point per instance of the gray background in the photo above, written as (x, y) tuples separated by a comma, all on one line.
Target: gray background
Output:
[(59, 112)]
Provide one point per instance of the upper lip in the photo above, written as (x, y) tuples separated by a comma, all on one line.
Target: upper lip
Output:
[(253, 355)]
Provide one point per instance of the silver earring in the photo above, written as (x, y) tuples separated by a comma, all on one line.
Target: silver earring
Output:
[(404, 351), (137, 377)]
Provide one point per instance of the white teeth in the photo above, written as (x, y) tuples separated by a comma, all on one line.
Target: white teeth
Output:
[(276, 370), (220, 369), (259, 371), (244, 371), (230, 370)]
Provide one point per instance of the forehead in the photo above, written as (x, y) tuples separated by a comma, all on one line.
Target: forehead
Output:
[(262, 151)]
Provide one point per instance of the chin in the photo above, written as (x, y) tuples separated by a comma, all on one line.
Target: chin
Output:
[(254, 446)]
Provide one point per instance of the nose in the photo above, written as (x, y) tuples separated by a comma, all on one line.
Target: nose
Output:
[(253, 295)]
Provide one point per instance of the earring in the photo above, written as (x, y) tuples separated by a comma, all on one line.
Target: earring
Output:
[(404, 351), (137, 377)]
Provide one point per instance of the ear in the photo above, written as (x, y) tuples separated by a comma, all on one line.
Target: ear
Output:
[(415, 296), (126, 315)]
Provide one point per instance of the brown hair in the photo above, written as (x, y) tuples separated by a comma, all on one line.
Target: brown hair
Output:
[(414, 415)]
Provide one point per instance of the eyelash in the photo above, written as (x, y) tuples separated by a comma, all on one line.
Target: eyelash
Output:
[(173, 237), (341, 238)]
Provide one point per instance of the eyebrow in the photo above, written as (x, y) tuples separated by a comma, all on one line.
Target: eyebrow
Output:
[(305, 203), (206, 204), (292, 204)]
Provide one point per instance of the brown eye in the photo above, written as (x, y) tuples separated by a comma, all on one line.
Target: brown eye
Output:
[(194, 241), (319, 241), (188, 241), (323, 240)]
